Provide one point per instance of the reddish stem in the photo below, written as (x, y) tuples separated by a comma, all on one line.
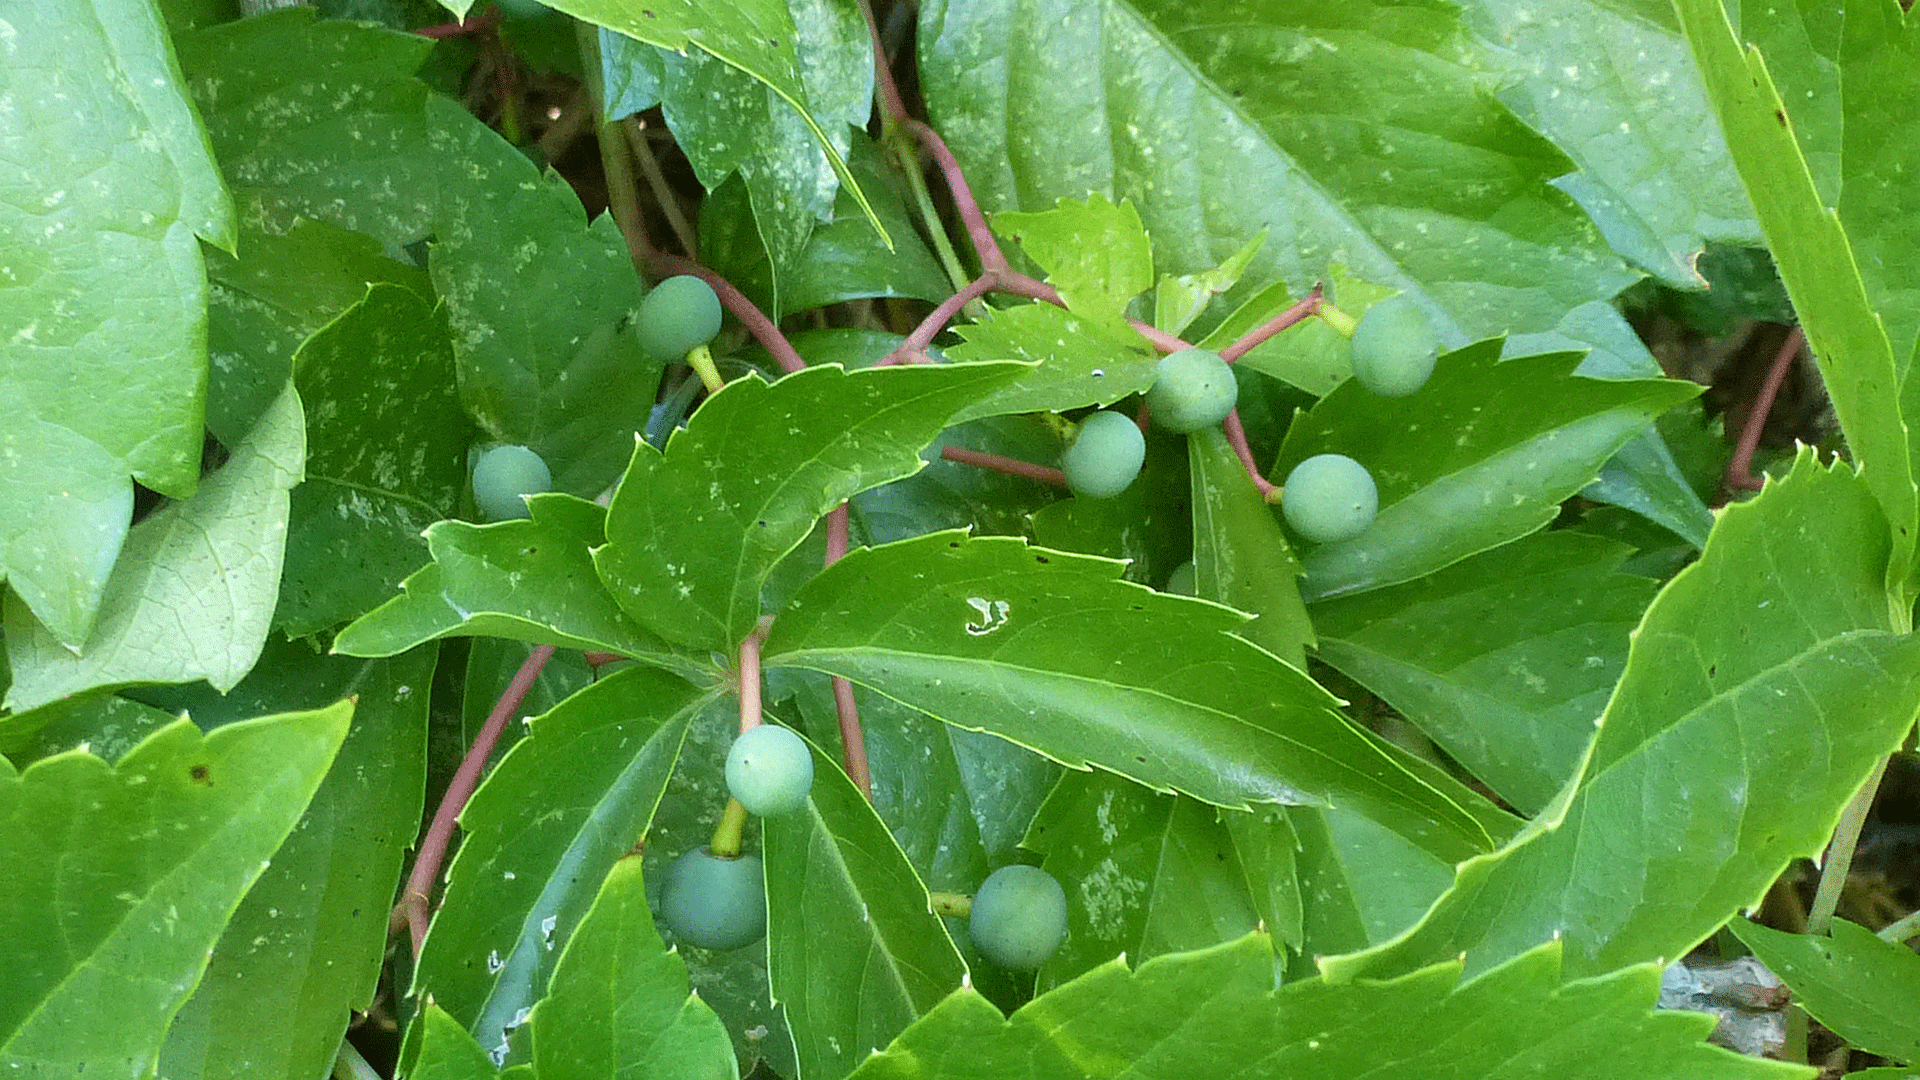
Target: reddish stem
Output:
[(762, 328), (1011, 466), (1298, 313), (913, 350), (433, 849), (853, 738), (984, 245), (884, 87), (487, 20), (750, 681), (1165, 342), (598, 659), (1237, 438), (1739, 475)]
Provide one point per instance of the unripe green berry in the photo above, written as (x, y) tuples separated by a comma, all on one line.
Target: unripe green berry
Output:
[(1195, 389), (1394, 348), (1019, 917), (1105, 456), (505, 473), (1329, 497), (715, 902), (679, 314), (770, 770), (1184, 580)]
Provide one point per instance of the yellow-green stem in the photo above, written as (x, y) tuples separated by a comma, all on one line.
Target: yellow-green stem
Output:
[(1336, 318), (1833, 873), (726, 835), (958, 905), (701, 361)]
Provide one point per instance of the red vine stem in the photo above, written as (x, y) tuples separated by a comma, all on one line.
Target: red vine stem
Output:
[(1237, 438), (433, 849), (853, 738), (1011, 466), (1298, 313), (884, 88), (984, 245), (750, 680), (1739, 475)]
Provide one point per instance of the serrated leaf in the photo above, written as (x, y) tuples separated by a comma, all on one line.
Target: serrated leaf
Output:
[(1269, 852), (1813, 245), (1240, 556), (1366, 884), (1615, 88), (540, 302), (138, 866), (1506, 659), (1481, 455), (1055, 652), (1860, 987), (1084, 360), (1095, 253), (1180, 298), (854, 949), (752, 81), (529, 580), (618, 1004), (102, 300), (194, 590), (1145, 874), (278, 293), (1736, 681), (447, 1052), (318, 120), (304, 950), (692, 533), (1216, 122), (596, 766), (1216, 1014), (388, 458)]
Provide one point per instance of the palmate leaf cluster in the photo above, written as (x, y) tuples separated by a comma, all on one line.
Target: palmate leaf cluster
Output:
[(265, 290)]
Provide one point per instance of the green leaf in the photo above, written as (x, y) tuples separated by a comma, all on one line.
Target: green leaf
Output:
[(1481, 455), (1860, 987), (1352, 132), (1053, 651), (530, 580), (103, 298), (1146, 874), (305, 948), (1735, 681), (618, 1004), (1505, 659), (1614, 86), (1150, 525), (1812, 244), (854, 949), (595, 766), (1095, 253), (447, 1052), (1269, 852), (1240, 556), (140, 865), (277, 294), (319, 120), (102, 724), (1083, 360), (388, 458), (1180, 298), (761, 463), (194, 591), (540, 302), (1216, 1014), (949, 495), (750, 85), (1366, 883)]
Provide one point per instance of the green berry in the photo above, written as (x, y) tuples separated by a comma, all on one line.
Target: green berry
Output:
[(1394, 348), (770, 770), (1105, 456), (679, 314), (715, 902), (1195, 389), (505, 473), (1019, 916), (1329, 497), (1184, 580)]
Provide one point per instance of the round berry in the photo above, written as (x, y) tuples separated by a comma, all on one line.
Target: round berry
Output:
[(1394, 348), (679, 314), (715, 902), (1329, 497), (1019, 917), (1184, 580), (1104, 456), (1195, 389), (770, 770), (505, 473)]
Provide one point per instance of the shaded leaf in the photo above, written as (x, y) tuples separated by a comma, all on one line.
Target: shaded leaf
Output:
[(854, 950), (1481, 455), (1149, 525), (194, 592), (1735, 681), (1053, 651), (1240, 556), (1860, 987), (447, 1052), (103, 298), (693, 532), (1506, 659), (138, 866)]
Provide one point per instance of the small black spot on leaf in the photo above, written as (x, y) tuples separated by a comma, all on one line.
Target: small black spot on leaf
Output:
[(200, 774)]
